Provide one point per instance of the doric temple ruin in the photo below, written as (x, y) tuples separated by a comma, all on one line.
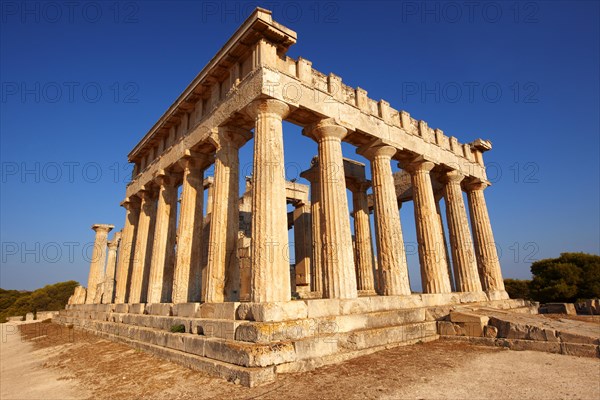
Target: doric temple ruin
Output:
[(205, 279)]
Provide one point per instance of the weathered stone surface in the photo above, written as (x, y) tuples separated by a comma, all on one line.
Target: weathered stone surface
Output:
[(558, 308), (186, 309), (218, 310), (42, 315), (96, 276), (187, 276), (138, 308), (338, 256), (159, 309), (434, 267), (78, 296), (280, 311), (490, 331), (322, 307), (447, 328), (463, 252), (160, 281), (393, 269), (122, 308), (270, 268)]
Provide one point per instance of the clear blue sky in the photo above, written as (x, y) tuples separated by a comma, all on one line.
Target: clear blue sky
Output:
[(82, 83)]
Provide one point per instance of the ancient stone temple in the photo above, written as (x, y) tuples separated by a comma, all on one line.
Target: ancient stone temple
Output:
[(198, 256)]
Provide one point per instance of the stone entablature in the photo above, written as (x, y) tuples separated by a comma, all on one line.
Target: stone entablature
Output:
[(241, 73)]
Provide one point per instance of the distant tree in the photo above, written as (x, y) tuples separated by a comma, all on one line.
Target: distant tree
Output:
[(518, 288), (49, 298), (568, 278)]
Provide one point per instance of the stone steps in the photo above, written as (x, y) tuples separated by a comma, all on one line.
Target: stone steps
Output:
[(259, 332), (251, 363), (249, 343)]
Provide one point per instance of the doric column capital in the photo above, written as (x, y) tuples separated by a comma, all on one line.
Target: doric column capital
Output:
[(130, 202), (102, 228), (358, 186), (193, 160), (208, 182), (377, 150), (324, 129), (229, 136), (164, 178), (417, 164), (268, 106), (113, 244), (451, 176), (475, 184), (312, 174)]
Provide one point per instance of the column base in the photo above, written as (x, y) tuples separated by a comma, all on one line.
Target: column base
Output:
[(497, 295)]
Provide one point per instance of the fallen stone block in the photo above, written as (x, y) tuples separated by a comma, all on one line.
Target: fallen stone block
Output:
[(558, 308)]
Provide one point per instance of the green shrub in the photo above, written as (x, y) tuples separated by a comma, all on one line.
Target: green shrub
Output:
[(178, 328)]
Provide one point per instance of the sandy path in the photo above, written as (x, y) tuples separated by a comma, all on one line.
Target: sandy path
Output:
[(22, 372)]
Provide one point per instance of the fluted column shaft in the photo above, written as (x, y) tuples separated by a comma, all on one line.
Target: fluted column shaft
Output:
[(338, 257), (393, 268), (98, 261), (223, 268), (161, 267), (362, 238), (269, 250), (463, 254), (126, 249), (187, 276), (434, 269), (445, 253), (485, 246), (143, 249), (316, 266), (303, 245), (111, 269)]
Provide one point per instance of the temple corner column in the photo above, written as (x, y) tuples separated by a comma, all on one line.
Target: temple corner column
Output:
[(97, 264), (488, 262)]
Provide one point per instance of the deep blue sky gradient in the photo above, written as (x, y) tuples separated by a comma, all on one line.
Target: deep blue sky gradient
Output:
[(127, 64)]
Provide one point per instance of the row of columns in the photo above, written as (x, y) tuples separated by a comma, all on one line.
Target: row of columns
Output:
[(150, 268)]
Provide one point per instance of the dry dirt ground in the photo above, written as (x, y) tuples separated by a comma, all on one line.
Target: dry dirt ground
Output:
[(47, 361)]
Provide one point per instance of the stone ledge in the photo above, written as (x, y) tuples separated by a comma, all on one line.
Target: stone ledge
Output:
[(572, 349), (268, 312), (163, 309), (245, 376)]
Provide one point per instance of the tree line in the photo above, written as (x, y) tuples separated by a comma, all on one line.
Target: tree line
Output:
[(49, 298), (570, 278)]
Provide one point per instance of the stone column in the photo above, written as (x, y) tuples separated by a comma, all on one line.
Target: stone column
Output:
[(434, 269), (143, 248), (161, 266), (111, 269), (223, 268), (126, 249), (269, 251), (446, 254), (485, 246), (96, 275), (393, 268), (362, 237), (312, 175), (463, 254), (302, 246), (187, 275), (338, 257)]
